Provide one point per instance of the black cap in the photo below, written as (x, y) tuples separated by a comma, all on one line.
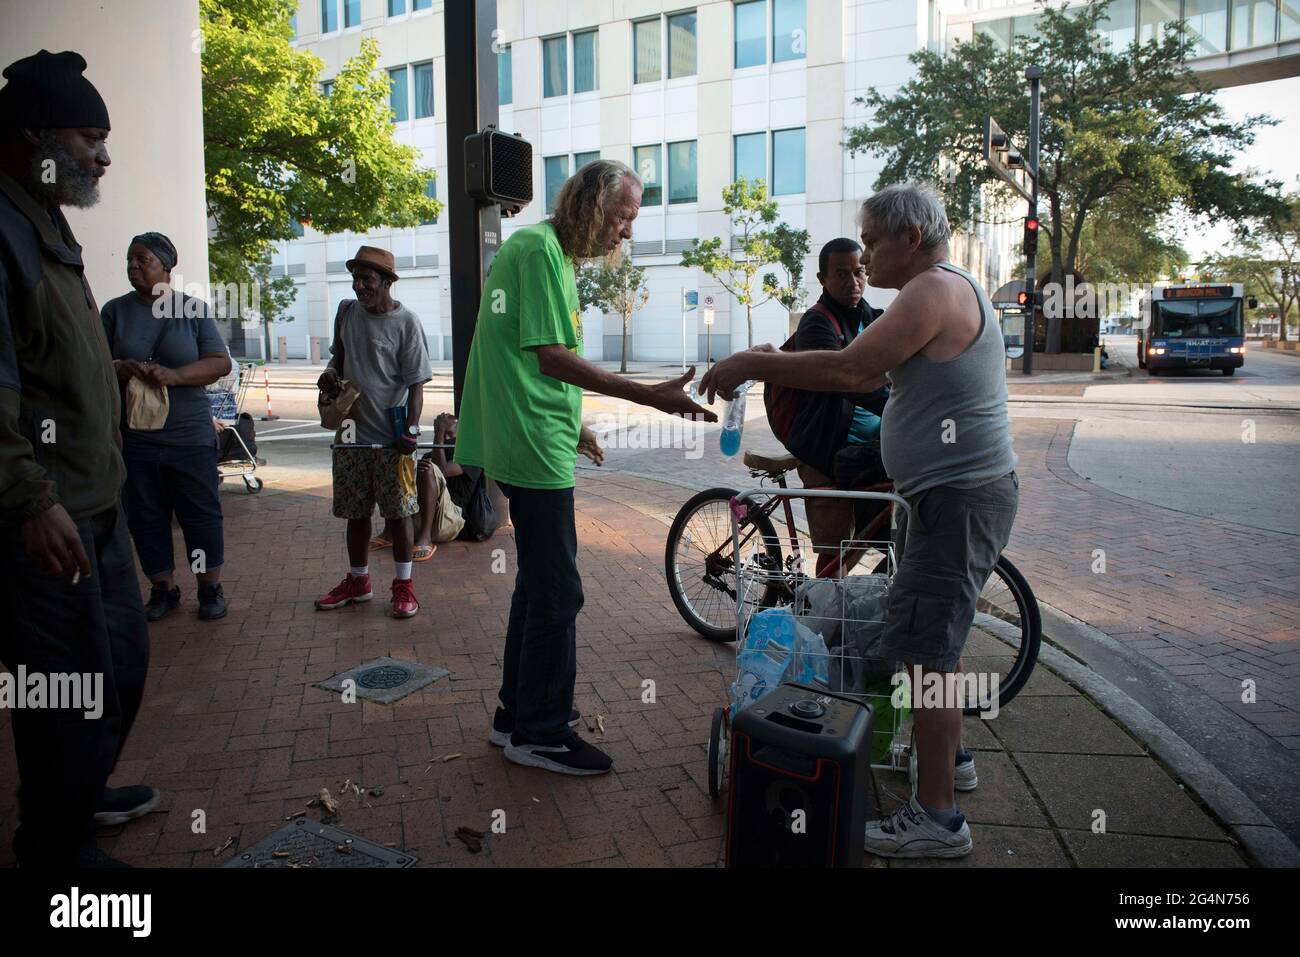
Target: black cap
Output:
[(47, 91)]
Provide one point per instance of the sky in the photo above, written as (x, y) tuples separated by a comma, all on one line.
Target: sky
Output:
[(1275, 153)]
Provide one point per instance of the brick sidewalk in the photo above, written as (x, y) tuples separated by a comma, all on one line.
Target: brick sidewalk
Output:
[(232, 725)]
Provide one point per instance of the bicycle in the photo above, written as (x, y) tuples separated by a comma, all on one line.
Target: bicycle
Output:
[(700, 565)]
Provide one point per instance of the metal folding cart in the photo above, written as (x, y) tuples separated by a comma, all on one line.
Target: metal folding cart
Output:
[(226, 397)]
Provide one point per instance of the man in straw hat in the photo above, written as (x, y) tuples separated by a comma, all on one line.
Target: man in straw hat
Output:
[(379, 347)]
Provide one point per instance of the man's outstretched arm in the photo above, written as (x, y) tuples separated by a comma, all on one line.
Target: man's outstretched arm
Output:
[(559, 363)]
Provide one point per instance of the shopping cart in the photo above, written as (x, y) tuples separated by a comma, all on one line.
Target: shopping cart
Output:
[(792, 626), (226, 398)]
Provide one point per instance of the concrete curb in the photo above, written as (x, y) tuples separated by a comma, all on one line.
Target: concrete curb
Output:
[(1263, 840)]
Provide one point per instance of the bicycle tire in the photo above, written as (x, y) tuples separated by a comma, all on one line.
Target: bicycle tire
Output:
[(722, 626)]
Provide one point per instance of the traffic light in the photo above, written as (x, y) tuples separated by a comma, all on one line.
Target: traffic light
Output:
[(1022, 298), (1031, 236)]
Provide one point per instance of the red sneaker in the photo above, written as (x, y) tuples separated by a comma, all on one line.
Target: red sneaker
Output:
[(346, 592), (404, 603)]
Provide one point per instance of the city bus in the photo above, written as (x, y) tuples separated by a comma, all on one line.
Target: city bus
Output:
[(1193, 326)]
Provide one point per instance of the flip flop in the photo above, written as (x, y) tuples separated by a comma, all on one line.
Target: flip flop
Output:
[(423, 553), (377, 543)]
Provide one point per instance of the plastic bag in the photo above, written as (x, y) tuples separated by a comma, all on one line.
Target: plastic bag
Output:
[(777, 648)]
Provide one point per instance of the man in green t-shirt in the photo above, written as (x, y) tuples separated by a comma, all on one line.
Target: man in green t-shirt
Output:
[(521, 422)]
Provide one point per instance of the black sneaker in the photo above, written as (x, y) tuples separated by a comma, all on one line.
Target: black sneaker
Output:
[(162, 601), (571, 755), (212, 602), (119, 805), (503, 725)]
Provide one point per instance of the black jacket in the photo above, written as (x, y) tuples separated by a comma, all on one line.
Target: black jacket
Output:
[(821, 427)]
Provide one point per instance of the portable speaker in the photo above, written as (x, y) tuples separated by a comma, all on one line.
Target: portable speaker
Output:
[(801, 791), (499, 168)]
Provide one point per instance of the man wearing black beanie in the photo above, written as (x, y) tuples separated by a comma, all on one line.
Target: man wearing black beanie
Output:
[(67, 576)]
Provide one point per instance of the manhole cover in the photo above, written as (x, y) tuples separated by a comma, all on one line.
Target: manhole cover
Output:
[(384, 680), (385, 676), (306, 844)]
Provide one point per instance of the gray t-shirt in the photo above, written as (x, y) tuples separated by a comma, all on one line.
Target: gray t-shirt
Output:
[(384, 355), (188, 332)]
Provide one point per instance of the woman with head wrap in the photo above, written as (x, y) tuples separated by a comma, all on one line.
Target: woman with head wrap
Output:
[(169, 340)]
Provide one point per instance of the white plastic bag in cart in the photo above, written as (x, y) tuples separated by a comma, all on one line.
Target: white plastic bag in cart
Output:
[(777, 648), (850, 615)]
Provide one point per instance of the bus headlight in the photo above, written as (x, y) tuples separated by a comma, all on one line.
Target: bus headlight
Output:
[(1153, 351)]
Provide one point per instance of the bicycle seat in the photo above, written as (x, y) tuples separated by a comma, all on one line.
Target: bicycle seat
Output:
[(772, 465)]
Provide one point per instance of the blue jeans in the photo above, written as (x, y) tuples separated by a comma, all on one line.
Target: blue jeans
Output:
[(541, 659), (162, 480)]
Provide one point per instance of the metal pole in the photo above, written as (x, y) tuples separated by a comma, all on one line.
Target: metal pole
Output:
[(1034, 75), (474, 232), (683, 328)]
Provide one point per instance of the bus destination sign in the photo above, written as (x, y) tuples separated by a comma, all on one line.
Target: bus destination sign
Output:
[(1197, 292)]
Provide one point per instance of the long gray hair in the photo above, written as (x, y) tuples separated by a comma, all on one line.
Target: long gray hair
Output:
[(579, 216)]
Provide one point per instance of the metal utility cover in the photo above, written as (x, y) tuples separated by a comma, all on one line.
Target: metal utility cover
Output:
[(386, 680), (307, 844)]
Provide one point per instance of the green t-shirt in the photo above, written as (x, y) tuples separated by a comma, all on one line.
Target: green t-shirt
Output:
[(518, 425)]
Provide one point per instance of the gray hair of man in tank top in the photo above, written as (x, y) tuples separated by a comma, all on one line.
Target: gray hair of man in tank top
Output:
[(896, 208)]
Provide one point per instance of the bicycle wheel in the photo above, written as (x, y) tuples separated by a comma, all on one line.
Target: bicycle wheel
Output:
[(699, 567), (1010, 629)]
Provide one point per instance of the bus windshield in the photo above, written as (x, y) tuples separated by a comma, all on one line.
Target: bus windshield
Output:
[(1204, 317)]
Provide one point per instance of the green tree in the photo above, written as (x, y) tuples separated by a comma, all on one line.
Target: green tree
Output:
[(1129, 129), (1267, 259), (277, 150), (618, 287), (757, 243)]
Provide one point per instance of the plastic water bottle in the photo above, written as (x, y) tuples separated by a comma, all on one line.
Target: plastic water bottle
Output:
[(762, 662), (733, 421)]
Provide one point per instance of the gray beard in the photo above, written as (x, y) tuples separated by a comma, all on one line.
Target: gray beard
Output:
[(57, 177)]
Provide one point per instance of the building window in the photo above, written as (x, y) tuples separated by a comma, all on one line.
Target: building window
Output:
[(681, 173), (751, 33), (505, 77), (646, 162), (585, 57), (1026, 27), (430, 190), (293, 25), (681, 45), (555, 67), (1154, 18), (423, 90), (1207, 21), (1119, 25), (787, 162), (327, 88), (351, 13), (1290, 16), (750, 157), (557, 171), (1254, 22), (297, 227), (329, 16), (396, 7), (397, 94), (582, 159), (789, 30), (421, 4), (646, 52)]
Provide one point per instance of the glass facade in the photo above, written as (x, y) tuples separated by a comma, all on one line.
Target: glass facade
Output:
[(585, 57), (749, 157), (351, 13), (999, 31), (397, 94), (787, 162), (329, 15), (681, 45), (505, 77), (396, 7), (681, 173), (647, 161), (646, 51), (423, 90), (557, 171), (751, 33), (555, 66), (1290, 26), (1207, 20), (1120, 23), (1254, 23), (1154, 18), (422, 4), (789, 30)]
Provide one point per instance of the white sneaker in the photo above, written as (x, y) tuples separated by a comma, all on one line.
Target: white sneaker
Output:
[(964, 776), (910, 832)]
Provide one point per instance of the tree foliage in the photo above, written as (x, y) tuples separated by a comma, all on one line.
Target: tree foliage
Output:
[(615, 285), (1267, 259), (276, 150), (759, 241), (1130, 130)]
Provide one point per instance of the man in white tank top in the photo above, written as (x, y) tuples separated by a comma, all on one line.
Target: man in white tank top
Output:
[(947, 445)]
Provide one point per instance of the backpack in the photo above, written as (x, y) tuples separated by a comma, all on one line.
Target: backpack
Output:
[(782, 402)]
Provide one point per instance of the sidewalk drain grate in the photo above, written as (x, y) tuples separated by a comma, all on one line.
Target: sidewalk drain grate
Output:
[(385, 680), (307, 844)]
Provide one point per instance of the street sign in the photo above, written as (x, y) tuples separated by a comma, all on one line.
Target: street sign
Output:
[(690, 299), (1015, 352), (707, 312), (708, 302)]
